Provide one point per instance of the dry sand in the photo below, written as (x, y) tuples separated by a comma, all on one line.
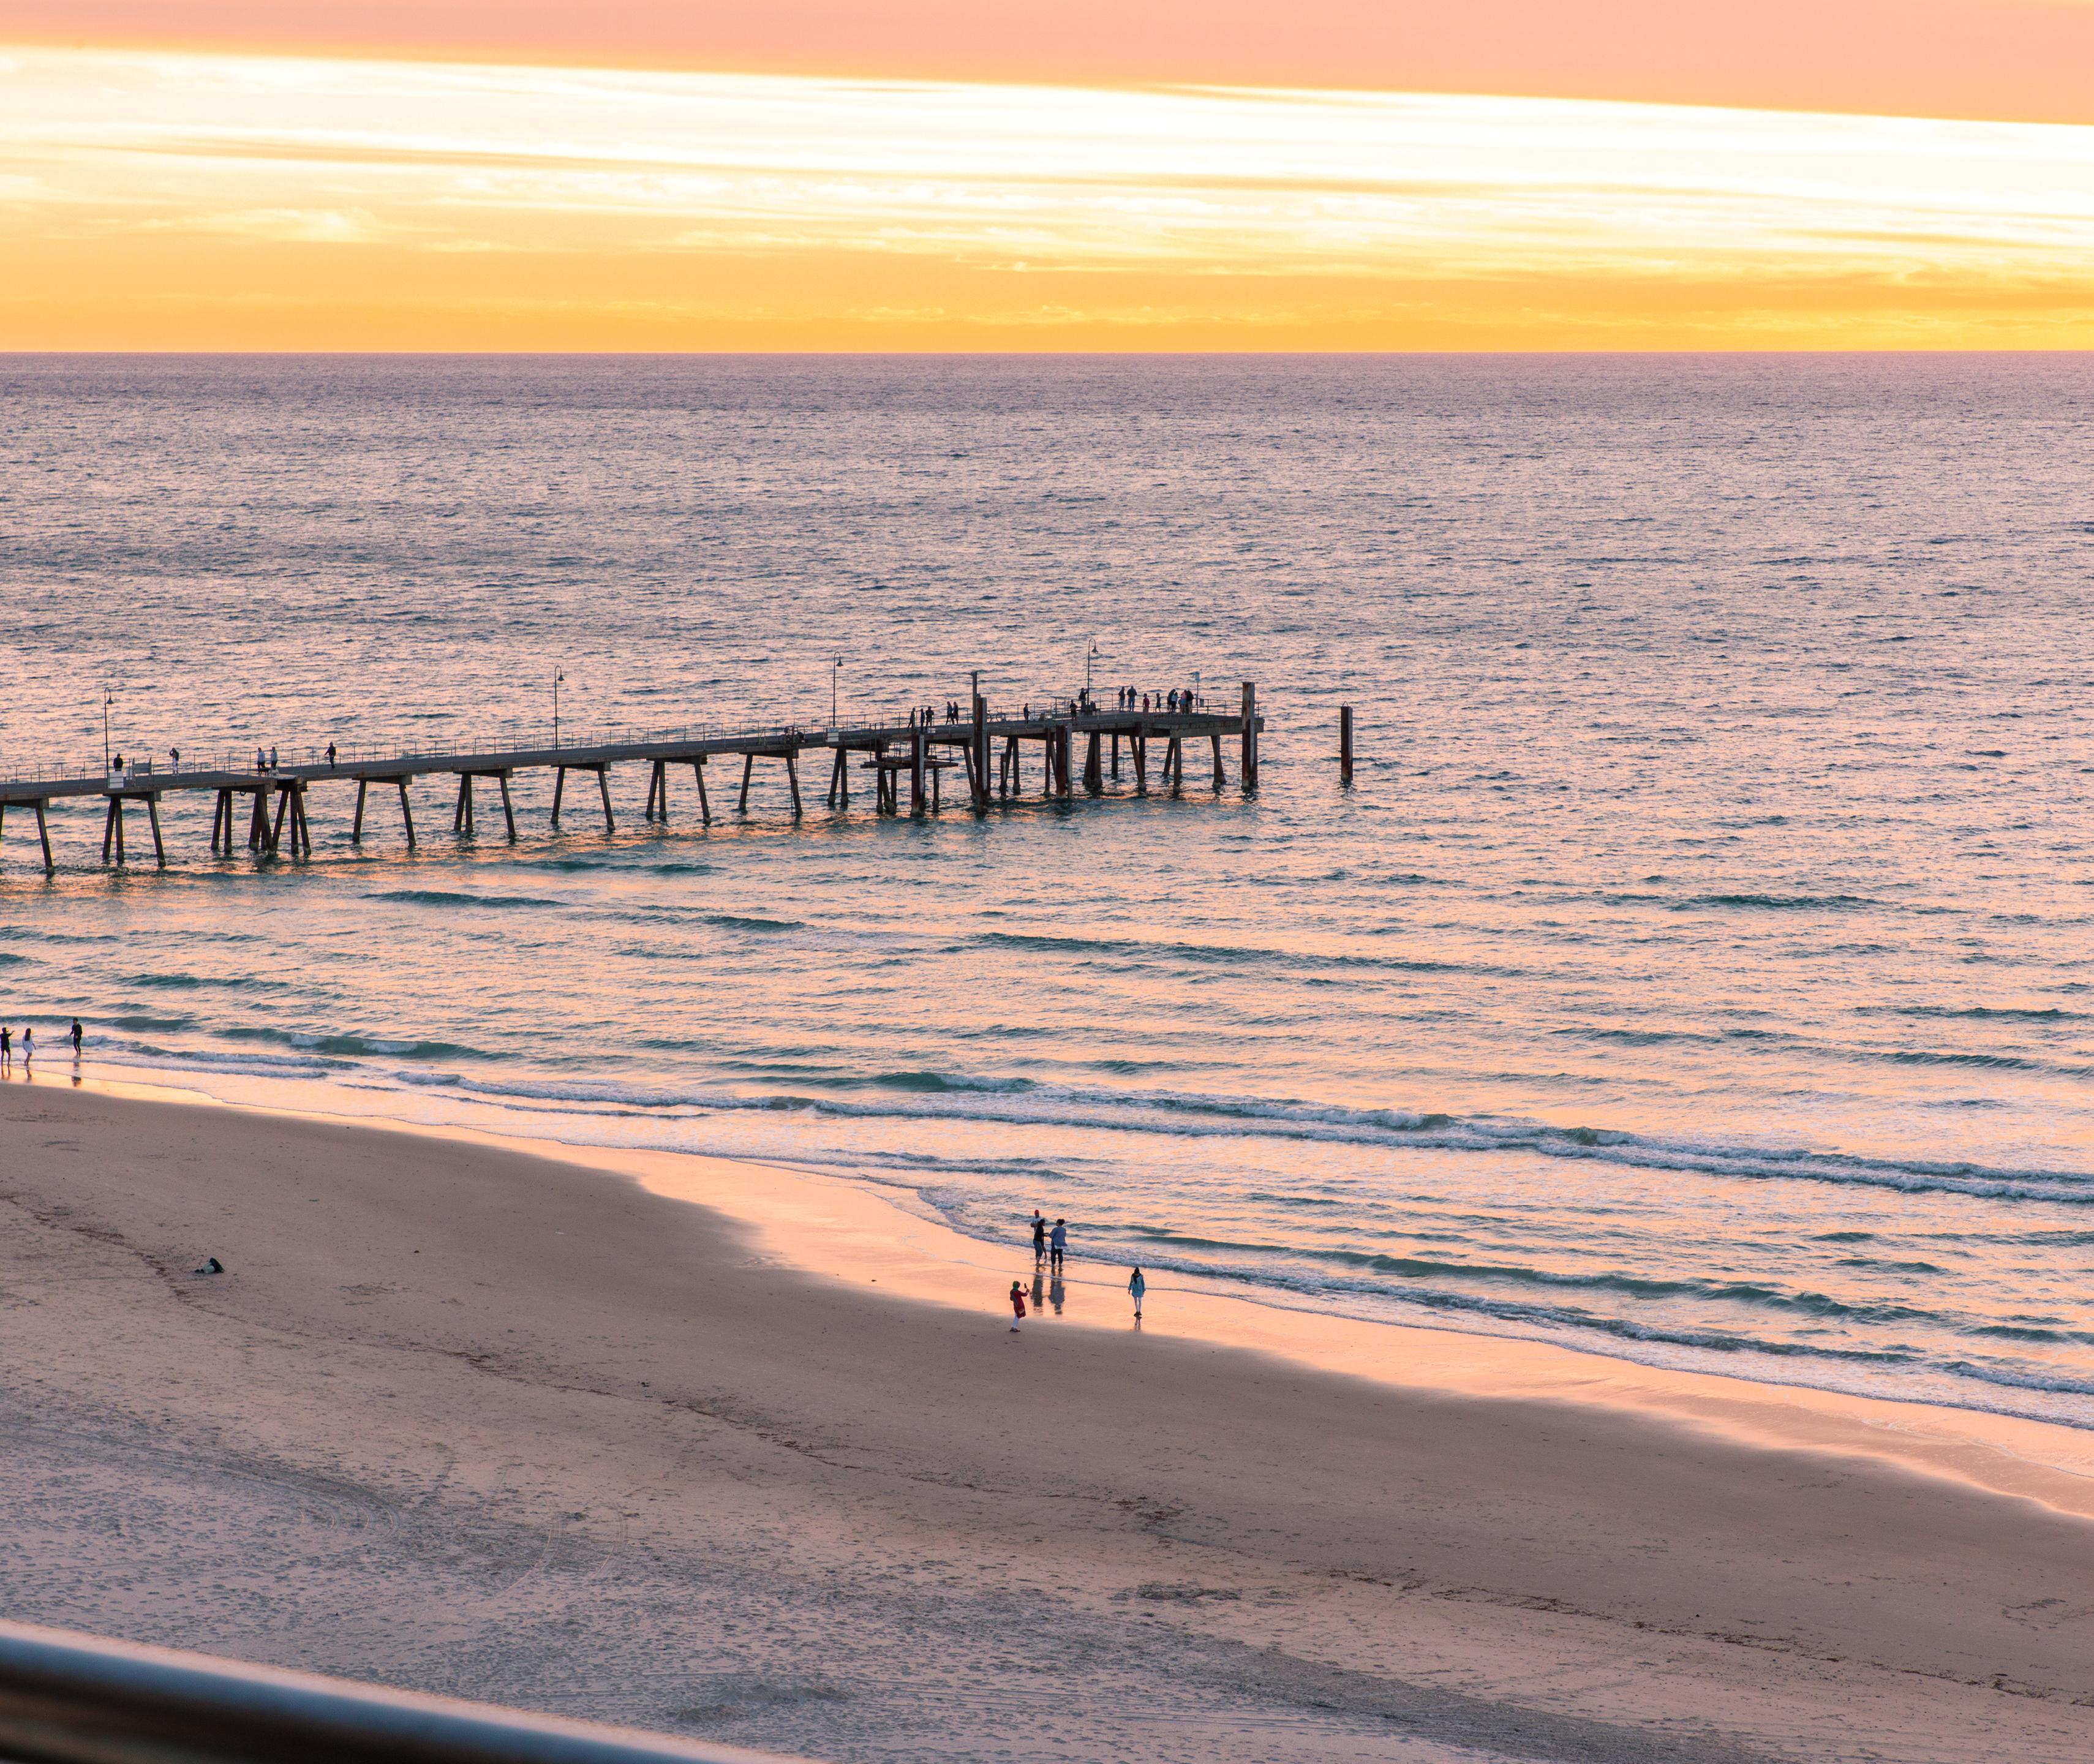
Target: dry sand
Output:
[(479, 1423)]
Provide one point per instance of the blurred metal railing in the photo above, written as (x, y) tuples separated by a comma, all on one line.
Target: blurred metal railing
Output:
[(73, 1699)]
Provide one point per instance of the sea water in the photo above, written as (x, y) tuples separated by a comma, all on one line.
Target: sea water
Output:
[(1698, 970)]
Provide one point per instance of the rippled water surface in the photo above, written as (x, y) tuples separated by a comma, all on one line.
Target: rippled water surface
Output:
[(1698, 970)]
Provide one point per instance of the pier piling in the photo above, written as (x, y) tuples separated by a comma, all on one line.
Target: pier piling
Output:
[(1248, 769), (1344, 743)]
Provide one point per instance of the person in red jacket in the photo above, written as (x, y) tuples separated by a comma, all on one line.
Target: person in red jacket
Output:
[(1017, 1305)]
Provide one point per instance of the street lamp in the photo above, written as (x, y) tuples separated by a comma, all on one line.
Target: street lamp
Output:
[(558, 676), (835, 667), (105, 728), (1090, 655)]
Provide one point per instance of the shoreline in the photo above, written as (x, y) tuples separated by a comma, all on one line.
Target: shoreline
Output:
[(836, 1227), (484, 1420)]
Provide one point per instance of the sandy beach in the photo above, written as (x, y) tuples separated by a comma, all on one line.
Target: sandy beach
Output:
[(469, 1420)]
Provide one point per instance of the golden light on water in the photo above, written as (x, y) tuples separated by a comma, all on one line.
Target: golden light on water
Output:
[(211, 201)]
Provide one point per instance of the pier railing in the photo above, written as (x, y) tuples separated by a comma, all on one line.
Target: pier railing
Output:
[(518, 735), (74, 1699)]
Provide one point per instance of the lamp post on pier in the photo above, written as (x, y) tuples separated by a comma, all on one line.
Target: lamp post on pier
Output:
[(835, 667), (558, 676), (105, 728)]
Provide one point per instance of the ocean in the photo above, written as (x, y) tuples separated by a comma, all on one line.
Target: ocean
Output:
[(1698, 970)]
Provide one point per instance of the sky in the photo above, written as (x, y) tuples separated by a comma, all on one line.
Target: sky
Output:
[(926, 174)]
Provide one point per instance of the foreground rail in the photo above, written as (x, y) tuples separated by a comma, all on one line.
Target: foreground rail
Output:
[(988, 749), (73, 1699)]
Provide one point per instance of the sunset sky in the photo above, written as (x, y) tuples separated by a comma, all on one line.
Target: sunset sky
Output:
[(921, 174)]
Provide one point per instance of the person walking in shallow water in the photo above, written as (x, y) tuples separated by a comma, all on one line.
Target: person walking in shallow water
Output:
[(1058, 1241), (78, 1035), (1135, 1288), (1017, 1305), (1039, 1237)]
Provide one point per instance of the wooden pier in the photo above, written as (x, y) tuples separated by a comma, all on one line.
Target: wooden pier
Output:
[(986, 751)]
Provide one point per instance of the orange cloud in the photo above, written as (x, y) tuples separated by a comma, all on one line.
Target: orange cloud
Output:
[(188, 202), (2026, 60)]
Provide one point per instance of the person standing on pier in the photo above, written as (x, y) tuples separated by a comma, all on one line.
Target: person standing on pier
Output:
[(330, 756)]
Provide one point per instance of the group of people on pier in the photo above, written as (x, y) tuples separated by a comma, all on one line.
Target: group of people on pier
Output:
[(1084, 703)]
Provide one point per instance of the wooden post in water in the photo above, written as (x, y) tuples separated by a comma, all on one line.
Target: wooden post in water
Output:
[(979, 755), (406, 811), (792, 778), (112, 824), (1344, 743), (153, 815), (1115, 769), (748, 765), (917, 738), (1219, 779), (1250, 765), (705, 805), (44, 837), (356, 828), (509, 812), (603, 790)]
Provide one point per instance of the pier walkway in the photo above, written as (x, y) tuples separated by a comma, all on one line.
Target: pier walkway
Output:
[(908, 758)]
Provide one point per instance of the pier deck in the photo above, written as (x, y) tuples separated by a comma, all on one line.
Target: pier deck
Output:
[(904, 759)]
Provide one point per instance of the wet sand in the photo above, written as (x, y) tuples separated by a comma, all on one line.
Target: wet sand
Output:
[(731, 1452)]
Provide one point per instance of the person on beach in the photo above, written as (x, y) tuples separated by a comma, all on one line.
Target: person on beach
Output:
[(1039, 1237), (1017, 1305), (1057, 1240), (1135, 1287), (6, 1048), (76, 1036), (28, 1044)]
